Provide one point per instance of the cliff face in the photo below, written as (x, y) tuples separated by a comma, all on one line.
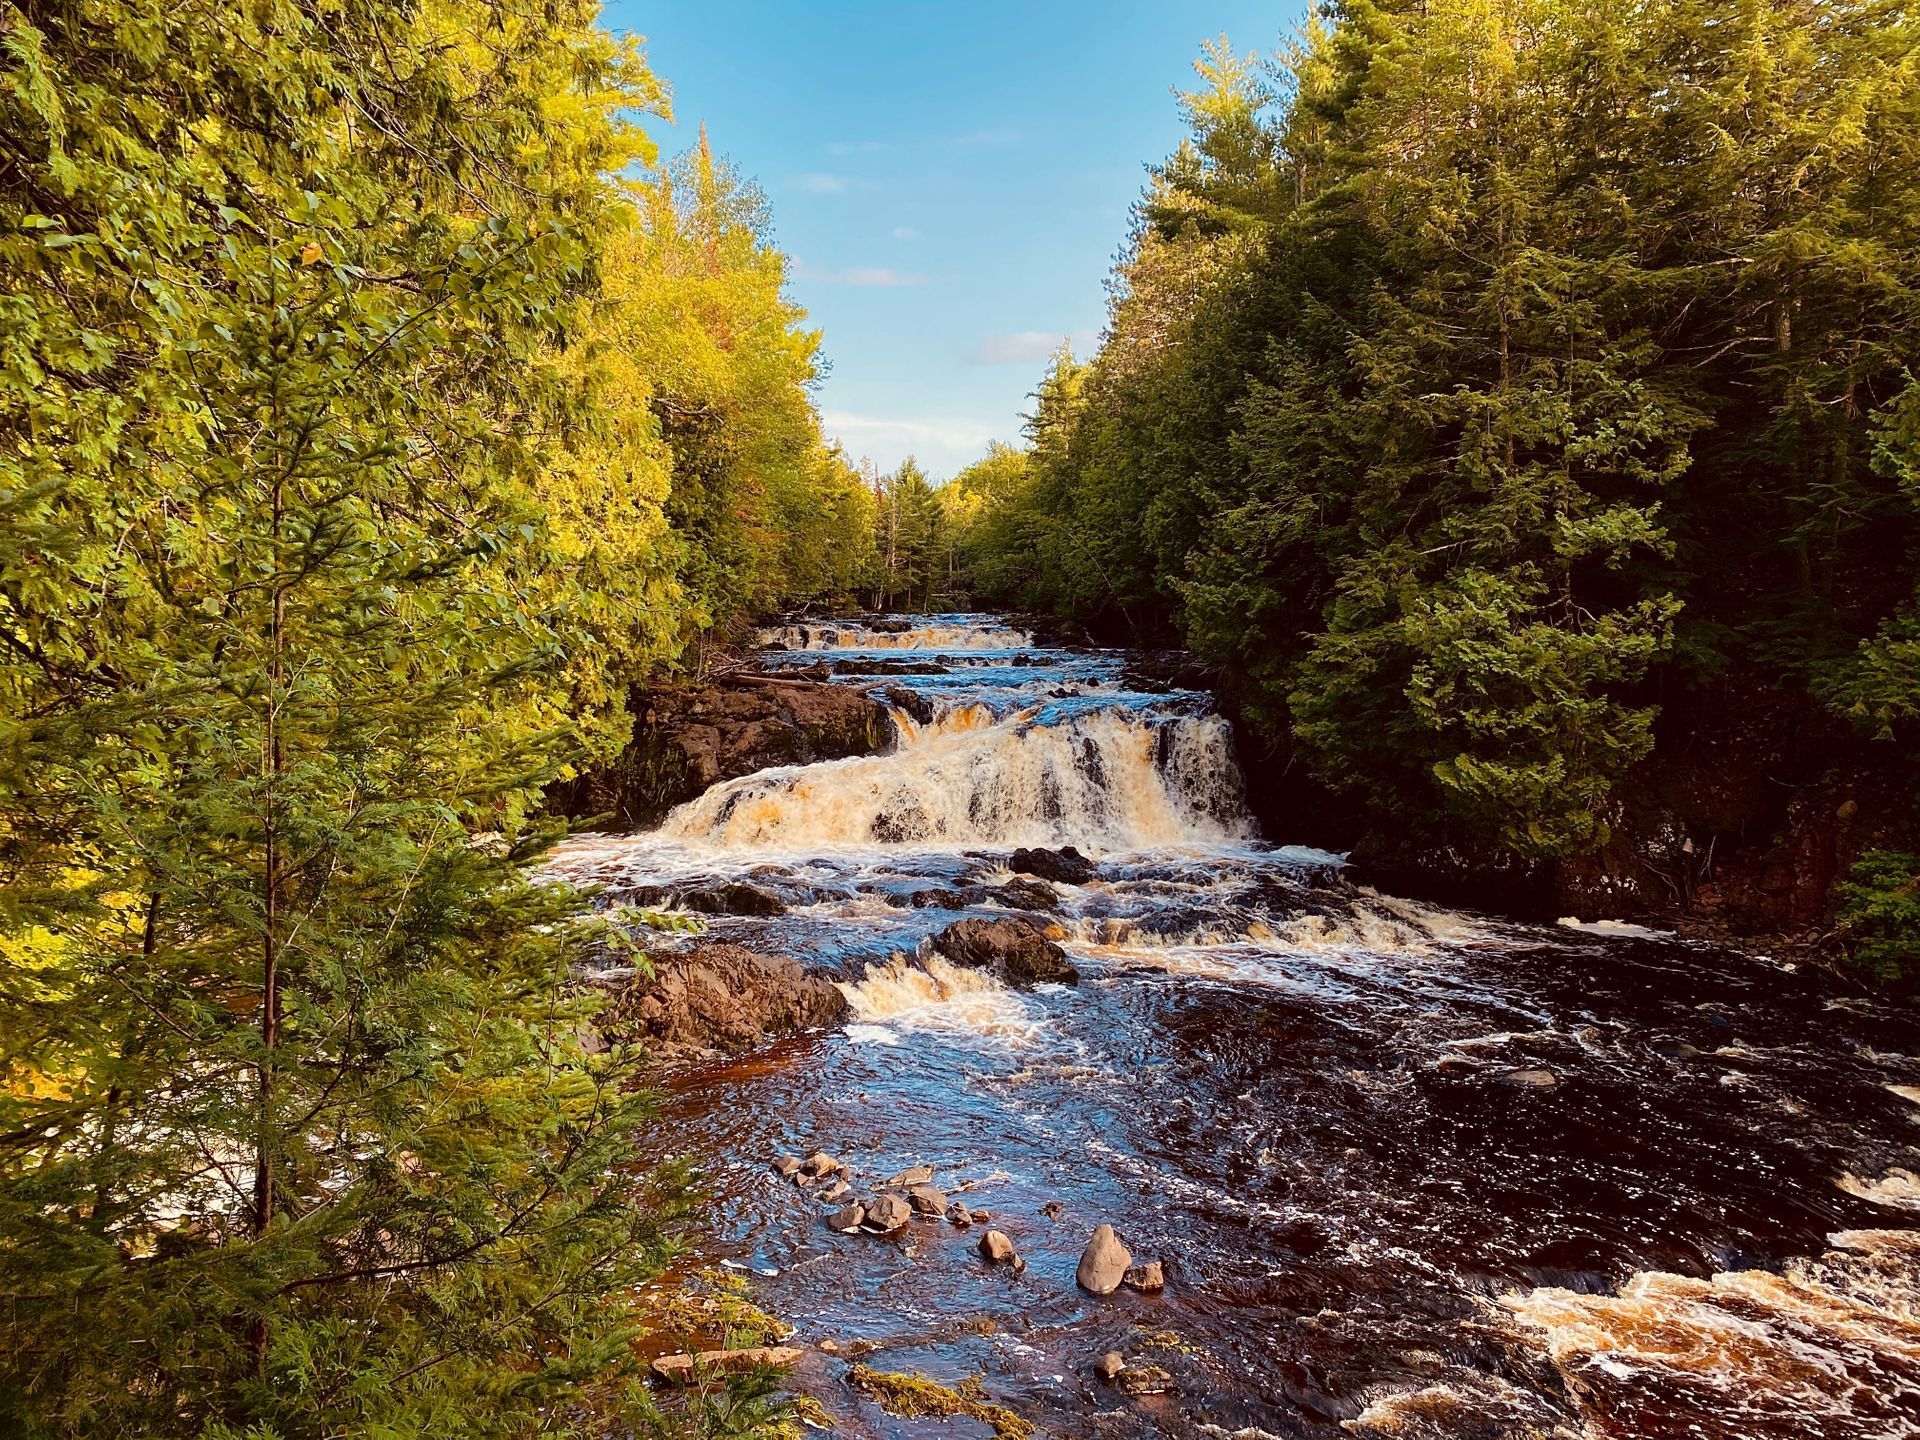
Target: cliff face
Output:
[(688, 737)]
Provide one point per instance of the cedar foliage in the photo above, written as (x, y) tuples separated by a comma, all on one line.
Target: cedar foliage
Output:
[(1479, 377)]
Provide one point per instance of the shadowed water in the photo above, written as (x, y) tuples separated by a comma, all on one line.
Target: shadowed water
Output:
[(1411, 1172)]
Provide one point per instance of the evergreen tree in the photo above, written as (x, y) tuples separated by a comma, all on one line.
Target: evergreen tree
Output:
[(297, 1138)]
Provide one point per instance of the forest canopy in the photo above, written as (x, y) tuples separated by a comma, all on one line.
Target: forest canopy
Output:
[(1500, 393)]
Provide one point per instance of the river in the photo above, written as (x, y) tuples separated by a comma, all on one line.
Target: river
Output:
[(1411, 1172)]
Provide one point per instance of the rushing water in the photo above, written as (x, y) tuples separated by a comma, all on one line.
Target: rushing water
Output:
[(1412, 1172)]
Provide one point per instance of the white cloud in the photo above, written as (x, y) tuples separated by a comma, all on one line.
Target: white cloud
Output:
[(872, 277), (943, 446), (905, 232), (1027, 347)]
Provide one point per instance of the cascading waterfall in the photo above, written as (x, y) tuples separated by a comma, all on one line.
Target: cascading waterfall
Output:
[(1106, 779), (954, 634)]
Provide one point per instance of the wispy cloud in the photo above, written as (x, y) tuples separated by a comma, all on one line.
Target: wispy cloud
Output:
[(944, 446), (872, 277), (905, 232), (820, 182), (1026, 347)]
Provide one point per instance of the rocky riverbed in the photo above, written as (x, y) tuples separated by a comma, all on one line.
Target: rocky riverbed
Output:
[(1364, 1167)]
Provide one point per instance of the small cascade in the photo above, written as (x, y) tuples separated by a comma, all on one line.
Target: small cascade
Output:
[(1109, 779), (957, 720), (935, 632)]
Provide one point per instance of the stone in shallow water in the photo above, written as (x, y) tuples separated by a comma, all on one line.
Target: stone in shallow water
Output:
[(886, 1214), (912, 1175), (845, 1222), (786, 1165), (1104, 1263), (996, 1247), (958, 1214), (1148, 1277), (926, 1200), (1109, 1366), (821, 1163)]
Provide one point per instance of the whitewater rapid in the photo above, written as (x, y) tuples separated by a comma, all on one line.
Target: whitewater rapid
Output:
[(1413, 1171)]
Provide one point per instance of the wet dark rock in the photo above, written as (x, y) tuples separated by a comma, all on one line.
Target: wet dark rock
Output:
[(736, 898), (1027, 895), (911, 701), (886, 1214), (786, 1165), (997, 1248), (1104, 1263), (888, 667), (836, 1192), (845, 1222), (1053, 1209), (926, 1200), (1066, 865), (1013, 950), (821, 1163), (958, 1214), (951, 898), (1147, 1278), (689, 737), (717, 996)]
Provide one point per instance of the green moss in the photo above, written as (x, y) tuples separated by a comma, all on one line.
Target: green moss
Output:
[(913, 1396)]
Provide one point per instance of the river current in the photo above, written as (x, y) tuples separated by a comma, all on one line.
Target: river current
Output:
[(1411, 1172)]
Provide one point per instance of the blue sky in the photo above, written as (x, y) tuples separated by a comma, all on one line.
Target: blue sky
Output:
[(951, 181)]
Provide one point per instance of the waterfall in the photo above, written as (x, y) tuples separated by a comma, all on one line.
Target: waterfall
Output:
[(1108, 779)]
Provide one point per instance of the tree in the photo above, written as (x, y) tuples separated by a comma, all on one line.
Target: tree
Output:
[(297, 1137)]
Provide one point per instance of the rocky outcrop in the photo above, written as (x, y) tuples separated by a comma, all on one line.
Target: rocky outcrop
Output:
[(1012, 950), (716, 996), (687, 738), (1067, 865)]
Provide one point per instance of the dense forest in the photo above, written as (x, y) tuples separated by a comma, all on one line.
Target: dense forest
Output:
[(1516, 403), (378, 407)]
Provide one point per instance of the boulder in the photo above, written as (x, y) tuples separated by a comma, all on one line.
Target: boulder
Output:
[(836, 1192), (925, 1200), (1109, 1366), (734, 898), (1026, 895), (912, 1175), (1148, 1278), (845, 1222), (786, 1165), (958, 1214), (1104, 1263), (1012, 949), (716, 996), (821, 1163), (997, 1248), (886, 1214), (910, 702), (1067, 865)]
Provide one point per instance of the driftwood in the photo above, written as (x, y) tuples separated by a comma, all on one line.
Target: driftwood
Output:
[(682, 1369)]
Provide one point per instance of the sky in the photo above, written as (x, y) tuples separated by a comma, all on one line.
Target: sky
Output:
[(951, 181)]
